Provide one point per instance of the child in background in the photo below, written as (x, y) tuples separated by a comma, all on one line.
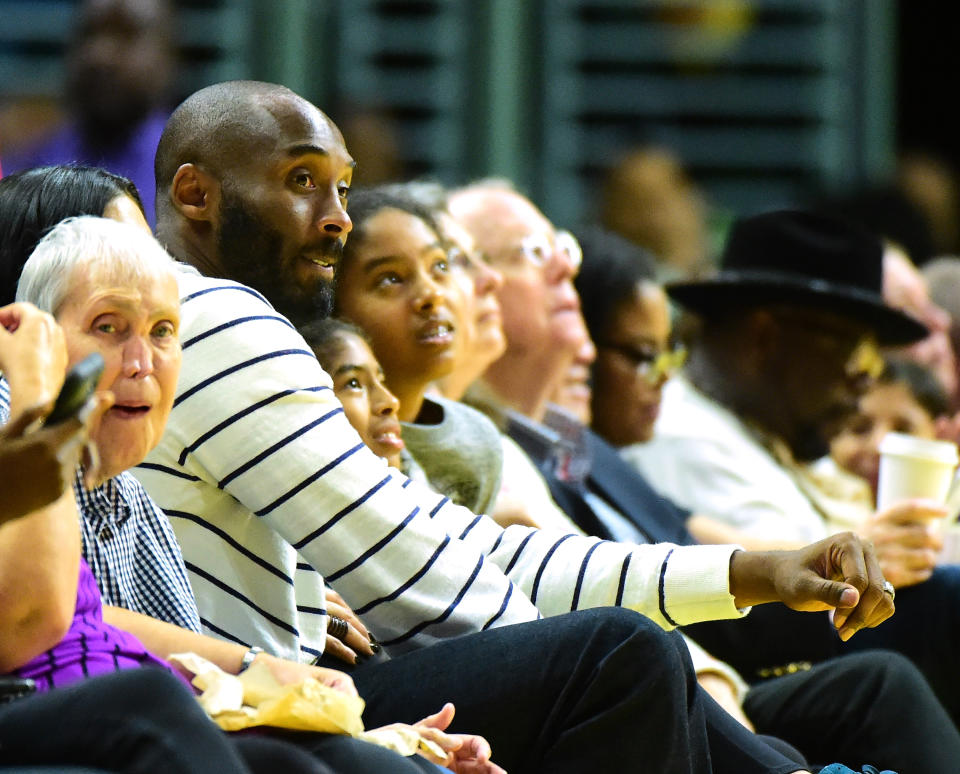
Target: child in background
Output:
[(344, 352), (906, 398)]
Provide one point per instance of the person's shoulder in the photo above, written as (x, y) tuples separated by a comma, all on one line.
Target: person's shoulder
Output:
[(228, 328), (461, 413), (686, 413), (214, 293), (58, 145), (454, 422), (214, 305)]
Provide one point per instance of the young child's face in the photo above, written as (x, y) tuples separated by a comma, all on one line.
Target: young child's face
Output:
[(367, 403), (885, 408)]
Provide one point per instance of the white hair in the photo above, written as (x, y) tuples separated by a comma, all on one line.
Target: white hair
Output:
[(120, 250)]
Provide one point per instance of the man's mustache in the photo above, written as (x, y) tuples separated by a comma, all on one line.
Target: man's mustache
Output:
[(329, 247)]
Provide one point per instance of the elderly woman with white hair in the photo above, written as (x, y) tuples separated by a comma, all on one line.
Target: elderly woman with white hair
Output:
[(113, 290)]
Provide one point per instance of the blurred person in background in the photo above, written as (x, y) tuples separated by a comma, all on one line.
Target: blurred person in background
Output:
[(929, 181), (942, 276), (119, 67), (649, 198), (905, 288), (905, 398), (889, 212)]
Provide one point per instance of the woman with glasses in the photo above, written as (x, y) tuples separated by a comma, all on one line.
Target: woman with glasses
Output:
[(628, 318)]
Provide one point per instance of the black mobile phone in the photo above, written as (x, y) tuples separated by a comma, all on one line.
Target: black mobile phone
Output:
[(78, 386), (12, 688)]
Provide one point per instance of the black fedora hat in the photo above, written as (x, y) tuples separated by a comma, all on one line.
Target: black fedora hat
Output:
[(804, 259)]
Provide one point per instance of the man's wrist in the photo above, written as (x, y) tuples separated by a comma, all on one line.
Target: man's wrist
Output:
[(751, 581)]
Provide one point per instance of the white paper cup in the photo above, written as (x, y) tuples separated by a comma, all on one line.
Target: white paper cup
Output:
[(914, 467)]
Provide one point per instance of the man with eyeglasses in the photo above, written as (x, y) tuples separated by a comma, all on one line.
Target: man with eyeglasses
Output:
[(538, 264), (546, 337)]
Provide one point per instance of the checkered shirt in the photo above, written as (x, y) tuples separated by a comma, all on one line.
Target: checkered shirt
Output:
[(130, 546)]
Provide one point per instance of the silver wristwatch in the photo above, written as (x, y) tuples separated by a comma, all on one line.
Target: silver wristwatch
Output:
[(248, 658)]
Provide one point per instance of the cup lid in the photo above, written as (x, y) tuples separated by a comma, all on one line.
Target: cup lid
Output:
[(904, 445)]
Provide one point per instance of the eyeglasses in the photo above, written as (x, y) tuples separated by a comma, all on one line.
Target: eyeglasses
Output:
[(652, 364), (458, 258), (833, 340), (865, 360), (537, 249)]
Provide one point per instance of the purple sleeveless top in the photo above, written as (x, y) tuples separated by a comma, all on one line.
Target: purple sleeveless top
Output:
[(90, 647)]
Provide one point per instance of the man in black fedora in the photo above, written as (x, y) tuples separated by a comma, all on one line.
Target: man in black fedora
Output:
[(786, 342)]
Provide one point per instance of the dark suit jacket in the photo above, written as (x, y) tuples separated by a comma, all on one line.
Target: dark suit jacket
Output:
[(771, 637), (617, 483)]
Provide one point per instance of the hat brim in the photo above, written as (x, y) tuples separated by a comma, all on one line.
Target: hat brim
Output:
[(736, 290)]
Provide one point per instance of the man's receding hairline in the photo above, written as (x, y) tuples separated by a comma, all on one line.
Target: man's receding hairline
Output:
[(482, 196), (210, 124), (477, 206)]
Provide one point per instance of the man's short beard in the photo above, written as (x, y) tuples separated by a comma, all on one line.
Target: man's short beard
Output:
[(251, 250)]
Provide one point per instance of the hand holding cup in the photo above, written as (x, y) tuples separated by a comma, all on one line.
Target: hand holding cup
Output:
[(915, 476)]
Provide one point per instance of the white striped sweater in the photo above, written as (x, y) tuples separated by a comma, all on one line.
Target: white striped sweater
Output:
[(268, 487)]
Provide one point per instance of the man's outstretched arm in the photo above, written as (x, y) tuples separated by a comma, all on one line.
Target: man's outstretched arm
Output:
[(840, 572), (257, 445)]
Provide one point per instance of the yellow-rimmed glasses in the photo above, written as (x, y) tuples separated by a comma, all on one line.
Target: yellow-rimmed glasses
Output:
[(865, 360), (651, 364)]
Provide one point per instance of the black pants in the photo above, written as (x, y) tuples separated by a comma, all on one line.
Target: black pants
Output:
[(597, 690), (925, 629), (872, 707), (143, 721)]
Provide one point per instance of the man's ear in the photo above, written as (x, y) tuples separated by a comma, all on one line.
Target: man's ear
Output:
[(195, 193)]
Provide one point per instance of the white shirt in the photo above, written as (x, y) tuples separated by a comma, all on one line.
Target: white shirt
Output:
[(522, 483), (259, 468), (707, 460), (520, 470)]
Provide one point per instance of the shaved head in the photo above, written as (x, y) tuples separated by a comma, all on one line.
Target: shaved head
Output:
[(483, 207), (220, 125)]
